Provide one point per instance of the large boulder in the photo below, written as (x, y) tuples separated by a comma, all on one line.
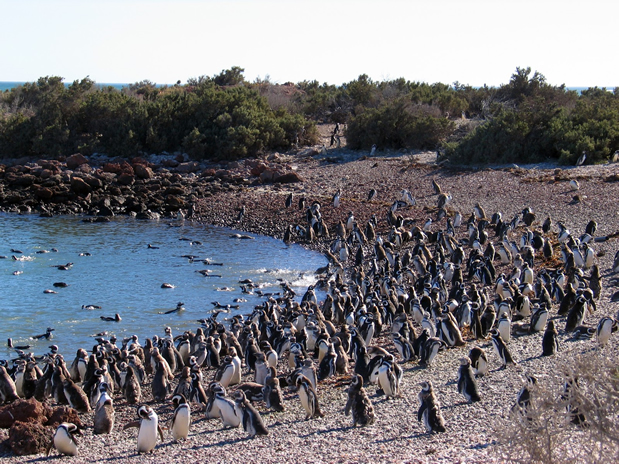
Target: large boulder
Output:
[(74, 161), (288, 178), (62, 414), (80, 186), (189, 166), (143, 172)]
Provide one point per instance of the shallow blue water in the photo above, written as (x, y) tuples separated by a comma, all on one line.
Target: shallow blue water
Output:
[(122, 275)]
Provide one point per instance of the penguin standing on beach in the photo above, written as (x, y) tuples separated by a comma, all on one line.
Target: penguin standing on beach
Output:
[(359, 403), (8, 392), (501, 349), (250, 417), (308, 397), (479, 361), (550, 341), (149, 428), (104, 411), (429, 410), (181, 419), (64, 439), (467, 385)]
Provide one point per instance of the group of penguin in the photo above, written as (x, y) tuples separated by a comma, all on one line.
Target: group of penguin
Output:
[(399, 299)]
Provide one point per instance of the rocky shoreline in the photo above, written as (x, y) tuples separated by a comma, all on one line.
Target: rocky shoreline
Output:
[(100, 187)]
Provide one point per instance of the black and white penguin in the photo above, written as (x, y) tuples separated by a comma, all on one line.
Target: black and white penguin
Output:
[(501, 349), (218, 406), (467, 386), (605, 328), (8, 392), (149, 428), (181, 419), (250, 417), (539, 318), (429, 410), (524, 397), (308, 397), (479, 361), (64, 439), (160, 385), (359, 403), (576, 314), (550, 341), (104, 411)]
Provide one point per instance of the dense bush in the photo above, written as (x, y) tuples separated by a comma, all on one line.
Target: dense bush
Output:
[(398, 125), (217, 118), (226, 117)]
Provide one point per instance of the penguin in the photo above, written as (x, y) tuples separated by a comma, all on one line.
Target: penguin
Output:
[(104, 411), (605, 328), (467, 386), (181, 419), (504, 326), (524, 397), (218, 406), (388, 375), (576, 314), (197, 391), (271, 391), (76, 396), (550, 341), (8, 392), (250, 417), (479, 361), (308, 369), (288, 202), (429, 410), (160, 384), (261, 368), (64, 439), (538, 320), (501, 349), (308, 397), (149, 427), (359, 403), (131, 388)]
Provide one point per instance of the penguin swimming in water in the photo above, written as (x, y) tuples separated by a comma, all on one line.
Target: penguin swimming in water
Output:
[(149, 427), (467, 386), (252, 422), (64, 439), (429, 410), (359, 403), (181, 419)]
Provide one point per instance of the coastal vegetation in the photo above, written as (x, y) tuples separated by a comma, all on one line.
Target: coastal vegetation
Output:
[(225, 117)]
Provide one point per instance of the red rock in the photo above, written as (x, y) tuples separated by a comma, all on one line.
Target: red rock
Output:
[(288, 178), (125, 178), (169, 163), (76, 160), (24, 411), (79, 186), (143, 172), (29, 438), (64, 414), (258, 169), (44, 193), (190, 166), (113, 168)]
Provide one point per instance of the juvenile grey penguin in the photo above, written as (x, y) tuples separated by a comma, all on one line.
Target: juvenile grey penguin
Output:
[(467, 385), (576, 314), (64, 439), (76, 396), (550, 341), (104, 411), (359, 403), (160, 385), (501, 349), (131, 388), (181, 419), (149, 427), (308, 397), (8, 392), (430, 409), (271, 391), (250, 417)]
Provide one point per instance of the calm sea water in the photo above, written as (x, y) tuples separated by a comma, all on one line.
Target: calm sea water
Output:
[(122, 275)]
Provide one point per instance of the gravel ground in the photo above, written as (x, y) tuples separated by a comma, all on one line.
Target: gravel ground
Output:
[(396, 436)]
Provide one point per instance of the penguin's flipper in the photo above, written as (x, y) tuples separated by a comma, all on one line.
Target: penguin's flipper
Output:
[(160, 432), (348, 406), (132, 424)]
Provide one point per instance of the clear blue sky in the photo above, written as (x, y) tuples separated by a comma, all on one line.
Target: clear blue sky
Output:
[(474, 42)]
